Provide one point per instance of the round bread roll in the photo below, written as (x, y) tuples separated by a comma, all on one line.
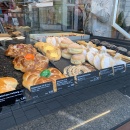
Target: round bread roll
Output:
[(65, 42), (75, 49), (65, 54), (78, 59), (7, 84)]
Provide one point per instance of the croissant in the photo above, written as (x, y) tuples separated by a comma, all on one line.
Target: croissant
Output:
[(20, 50), (32, 78), (7, 84), (30, 62)]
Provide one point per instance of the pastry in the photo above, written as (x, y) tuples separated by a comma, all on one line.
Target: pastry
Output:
[(53, 53), (7, 84), (77, 59), (76, 70), (75, 49), (20, 50), (82, 43), (32, 78), (65, 42), (55, 41), (122, 50), (65, 54), (95, 41), (30, 62)]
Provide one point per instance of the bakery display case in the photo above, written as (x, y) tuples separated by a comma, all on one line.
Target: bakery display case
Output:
[(51, 71)]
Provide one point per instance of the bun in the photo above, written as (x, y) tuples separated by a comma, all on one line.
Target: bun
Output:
[(65, 54), (36, 62), (20, 50), (7, 84), (78, 59), (75, 49), (33, 78), (65, 42)]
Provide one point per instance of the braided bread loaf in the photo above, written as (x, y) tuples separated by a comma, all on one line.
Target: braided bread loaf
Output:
[(20, 50), (7, 84), (30, 62), (34, 77)]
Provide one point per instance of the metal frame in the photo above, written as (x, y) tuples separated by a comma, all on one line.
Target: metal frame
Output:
[(115, 25)]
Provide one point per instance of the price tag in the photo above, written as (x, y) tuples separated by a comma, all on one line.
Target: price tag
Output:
[(128, 67), (88, 77), (105, 73), (45, 89), (11, 97), (65, 83), (119, 69), (15, 21)]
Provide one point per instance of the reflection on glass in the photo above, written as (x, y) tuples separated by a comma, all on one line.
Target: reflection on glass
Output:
[(71, 1), (70, 17), (123, 15)]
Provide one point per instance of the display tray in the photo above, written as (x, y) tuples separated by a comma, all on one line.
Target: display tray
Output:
[(42, 100)]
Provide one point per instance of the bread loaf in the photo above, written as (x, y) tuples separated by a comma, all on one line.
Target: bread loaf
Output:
[(35, 77), (31, 62), (7, 84), (20, 50)]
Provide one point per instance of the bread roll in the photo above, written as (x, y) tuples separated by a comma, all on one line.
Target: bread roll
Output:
[(75, 49), (78, 59), (7, 84), (35, 77), (65, 42), (65, 54)]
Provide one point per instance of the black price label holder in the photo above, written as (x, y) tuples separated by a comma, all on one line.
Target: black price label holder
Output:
[(128, 67), (88, 79), (11, 97), (42, 90), (106, 74), (65, 83), (119, 70)]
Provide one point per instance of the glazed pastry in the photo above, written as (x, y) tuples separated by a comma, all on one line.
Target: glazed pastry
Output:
[(20, 50), (32, 78), (30, 62), (53, 53), (82, 43), (7, 84)]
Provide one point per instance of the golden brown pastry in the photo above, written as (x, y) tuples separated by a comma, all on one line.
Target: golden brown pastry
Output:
[(30, 62), (53, 53), (7, 84), (82, 43), (32, 78), (75, 49), (20, 50)]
